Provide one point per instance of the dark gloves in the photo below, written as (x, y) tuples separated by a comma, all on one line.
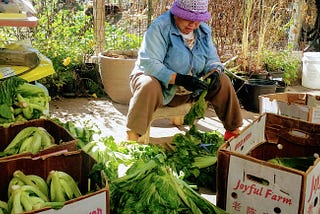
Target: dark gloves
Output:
[(214, 80), (190, 83)]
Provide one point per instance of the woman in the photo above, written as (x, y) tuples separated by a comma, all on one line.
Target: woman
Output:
[(176, 51)]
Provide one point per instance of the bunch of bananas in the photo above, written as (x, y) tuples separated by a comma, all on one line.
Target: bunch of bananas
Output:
[(32, 192), (62, 186), (30, 139)]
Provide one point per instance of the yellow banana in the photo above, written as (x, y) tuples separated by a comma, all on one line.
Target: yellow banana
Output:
[(36, 143), (40, 183), (25, 201), (14, 145)]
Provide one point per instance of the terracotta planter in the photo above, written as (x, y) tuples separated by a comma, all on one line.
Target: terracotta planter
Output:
[(115, 68)]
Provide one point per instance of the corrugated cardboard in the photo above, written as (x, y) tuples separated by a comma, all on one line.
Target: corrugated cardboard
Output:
[(305, 106), (248, 183), (64, 140), (77, 164)]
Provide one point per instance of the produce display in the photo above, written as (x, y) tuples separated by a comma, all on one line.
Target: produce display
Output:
[(31, 192), (151, 187), (299, 163), (21, 101), (30, 139)]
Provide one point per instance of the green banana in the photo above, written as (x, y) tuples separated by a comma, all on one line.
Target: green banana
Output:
[(14, 145), (36, 143), (25, 201), (40, 183)]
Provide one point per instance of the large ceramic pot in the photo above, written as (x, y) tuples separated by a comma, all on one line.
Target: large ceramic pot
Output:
[(115, 68)]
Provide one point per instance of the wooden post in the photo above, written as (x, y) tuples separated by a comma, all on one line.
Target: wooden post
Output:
[(99, 25)]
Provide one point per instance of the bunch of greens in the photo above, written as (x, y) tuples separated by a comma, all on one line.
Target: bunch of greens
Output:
[(152, 187), (194, 156), (8, 88)]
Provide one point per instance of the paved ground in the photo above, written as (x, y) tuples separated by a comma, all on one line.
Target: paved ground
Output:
[(110, 117)]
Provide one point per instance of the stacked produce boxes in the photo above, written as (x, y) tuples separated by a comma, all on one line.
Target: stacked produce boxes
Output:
[(61, 139), (250, 177), (304, 106), (77, 164)]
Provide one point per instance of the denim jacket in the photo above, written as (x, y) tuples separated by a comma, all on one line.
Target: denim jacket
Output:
[(164, 52)]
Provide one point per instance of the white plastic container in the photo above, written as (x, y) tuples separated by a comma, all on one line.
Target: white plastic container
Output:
[(311, 70)]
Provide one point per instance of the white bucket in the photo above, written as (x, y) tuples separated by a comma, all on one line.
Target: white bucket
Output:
[(311, 70)]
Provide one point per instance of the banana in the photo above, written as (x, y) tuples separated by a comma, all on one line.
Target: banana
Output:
[(71, 182), (14, 145), (25, 201), (26, 145), (40, 183), (36, 143)]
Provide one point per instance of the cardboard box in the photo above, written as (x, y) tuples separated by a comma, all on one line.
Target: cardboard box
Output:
[(304, 106), (77, 164), (65, 141), (248, 183)]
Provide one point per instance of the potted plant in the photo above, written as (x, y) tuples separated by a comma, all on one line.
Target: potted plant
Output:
[(115, 68)]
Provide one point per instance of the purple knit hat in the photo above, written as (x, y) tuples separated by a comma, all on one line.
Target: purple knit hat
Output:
[(193, 10)]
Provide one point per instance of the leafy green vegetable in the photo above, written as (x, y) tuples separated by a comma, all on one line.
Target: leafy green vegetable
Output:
[(8, 88), (197, 110), (299, 163), (152, 188)]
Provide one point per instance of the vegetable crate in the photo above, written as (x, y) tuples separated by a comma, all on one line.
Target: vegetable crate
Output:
[(248, 183), (304, 106), (65, 141), (78, 164)]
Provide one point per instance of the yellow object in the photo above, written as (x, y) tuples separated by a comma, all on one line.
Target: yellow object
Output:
[(13, 16), (45, 67)]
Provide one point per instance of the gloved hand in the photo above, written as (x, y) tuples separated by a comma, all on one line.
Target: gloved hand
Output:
[(214, 80), (190, 83)]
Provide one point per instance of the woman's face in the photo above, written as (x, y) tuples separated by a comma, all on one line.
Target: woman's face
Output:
[(186, 26)]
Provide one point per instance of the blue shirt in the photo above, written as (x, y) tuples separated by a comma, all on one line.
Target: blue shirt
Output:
[(164, 52)]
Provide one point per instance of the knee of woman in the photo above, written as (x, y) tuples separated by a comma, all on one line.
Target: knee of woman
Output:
[(149, 85)]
